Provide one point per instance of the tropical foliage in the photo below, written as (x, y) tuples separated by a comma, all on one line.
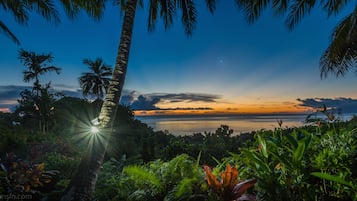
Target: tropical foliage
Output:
[(229, 188), (315, 162), (19, 177), (287, 164), (21, 11)]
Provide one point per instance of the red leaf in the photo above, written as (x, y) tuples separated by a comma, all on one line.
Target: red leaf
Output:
[(240, 188), (212, 180)]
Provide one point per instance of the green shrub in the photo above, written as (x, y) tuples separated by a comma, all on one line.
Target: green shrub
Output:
[(65, 164), (283, 162), (178, 179)]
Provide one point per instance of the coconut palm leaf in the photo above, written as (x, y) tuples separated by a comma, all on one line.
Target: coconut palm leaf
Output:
[(298, 10), (280, 7), (341, 53), (189, 15), (46, 8), (8, 33), (252, 9), (17, 8), (94, 8), (211, 5), (334, 6), (167, 11)]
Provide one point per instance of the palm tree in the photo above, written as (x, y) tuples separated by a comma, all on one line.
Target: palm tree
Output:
[(95, 82), (21, 9), (37, 65), (341, 54), (83, 183)]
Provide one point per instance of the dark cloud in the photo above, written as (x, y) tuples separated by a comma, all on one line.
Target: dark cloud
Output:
[(187, 97), (188, 108), (11, 93), (127, 97), (345, 105), (149, 101), (145, 103)]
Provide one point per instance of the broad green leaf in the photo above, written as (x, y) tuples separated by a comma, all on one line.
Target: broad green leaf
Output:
[(259, 163), (141, 174), (263, 145), (299, 152), (292, 141), (184, 187), (198, 159), (332, 178), (308, 139)]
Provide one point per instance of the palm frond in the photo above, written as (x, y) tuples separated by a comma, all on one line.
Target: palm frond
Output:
[(8, 33), (141, 174), (184, 187), (50, 69), (70, 8), (153, 10), (94, 8), (333, 6), (28, 76), (252, 8), (18, 9), (280, 7), (211, 5), (46, 8), (341, 53), (167, 11), (297, 11), (189, 14)]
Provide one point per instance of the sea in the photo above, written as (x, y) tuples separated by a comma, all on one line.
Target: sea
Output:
[(188, 125)]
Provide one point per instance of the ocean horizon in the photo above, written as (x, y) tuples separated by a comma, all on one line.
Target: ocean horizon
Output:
[(190, 124)]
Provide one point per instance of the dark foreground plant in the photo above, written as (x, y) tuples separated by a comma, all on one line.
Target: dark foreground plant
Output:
[(18, 177)]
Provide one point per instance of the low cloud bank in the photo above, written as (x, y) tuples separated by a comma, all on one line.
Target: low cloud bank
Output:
[(150, 101), (341, 104)]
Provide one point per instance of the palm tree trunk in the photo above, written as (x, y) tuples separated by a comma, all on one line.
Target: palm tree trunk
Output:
[(82, 184)]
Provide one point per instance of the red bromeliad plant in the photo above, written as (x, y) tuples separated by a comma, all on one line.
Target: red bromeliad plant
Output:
[(229, 188)]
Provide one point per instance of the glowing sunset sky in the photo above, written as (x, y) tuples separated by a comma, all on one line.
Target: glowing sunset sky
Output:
[(226, 66)]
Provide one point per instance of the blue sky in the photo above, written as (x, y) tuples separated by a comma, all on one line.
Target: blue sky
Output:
[(235, 66)]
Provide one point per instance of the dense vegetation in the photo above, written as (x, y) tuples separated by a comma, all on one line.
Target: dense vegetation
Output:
[(311, 163)]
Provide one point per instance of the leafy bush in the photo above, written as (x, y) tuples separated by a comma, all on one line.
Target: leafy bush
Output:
[(17, 177), (285, 162), (67, 165), (178, 179)]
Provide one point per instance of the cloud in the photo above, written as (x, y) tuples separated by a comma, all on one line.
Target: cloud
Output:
[(187, 97), (345, 105), (11, 93), (145, 103), (149, 101), (127, 97)]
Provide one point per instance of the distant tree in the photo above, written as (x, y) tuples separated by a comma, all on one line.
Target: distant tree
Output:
[(97, 80), (341, 54), (37, 108), (37, 65), (20, 10)]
